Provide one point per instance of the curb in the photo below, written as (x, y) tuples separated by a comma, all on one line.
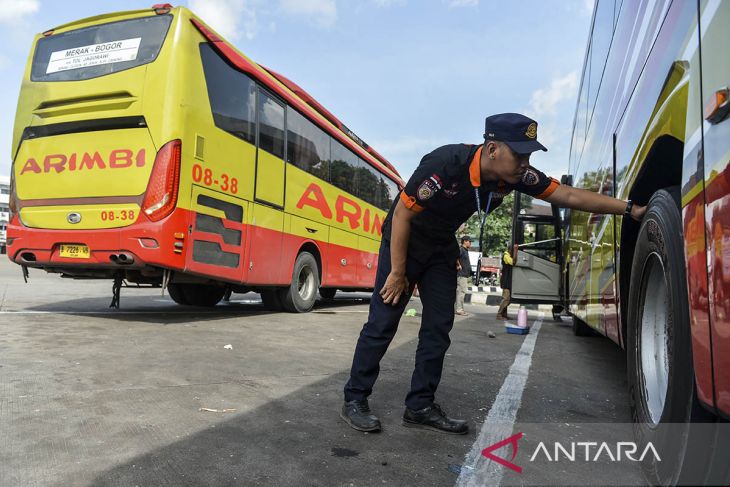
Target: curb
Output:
[(484, 289)]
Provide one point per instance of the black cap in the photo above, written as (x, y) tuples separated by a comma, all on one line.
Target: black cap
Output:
[(517, 131), (465, 238)]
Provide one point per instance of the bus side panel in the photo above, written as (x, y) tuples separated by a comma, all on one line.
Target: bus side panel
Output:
[(298, 232), (715, 76), (368, 261), (266, 263), (667, 81), (354, 228), (693, 223), (657, 109), (217, 235), (343, 258), (217, 172)]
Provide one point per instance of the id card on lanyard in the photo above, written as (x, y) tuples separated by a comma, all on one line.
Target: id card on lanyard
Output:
[(482, 220)]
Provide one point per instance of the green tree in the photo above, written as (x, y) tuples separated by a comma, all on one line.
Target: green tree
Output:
[(497, 228)]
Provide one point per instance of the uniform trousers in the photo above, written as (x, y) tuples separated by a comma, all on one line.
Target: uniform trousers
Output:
[(436, 278)]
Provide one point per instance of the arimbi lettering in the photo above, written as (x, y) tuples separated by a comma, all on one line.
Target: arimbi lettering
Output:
[(118, 158), (346, 209), (602, 451)]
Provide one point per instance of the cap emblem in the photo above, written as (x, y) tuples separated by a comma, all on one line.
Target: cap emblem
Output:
[(531, 130)]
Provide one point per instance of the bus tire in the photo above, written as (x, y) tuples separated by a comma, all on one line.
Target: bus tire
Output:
[(202, 295), (661, 376), (271, 300), (580, 329), (301, 294), (327, 292), (177, 294)]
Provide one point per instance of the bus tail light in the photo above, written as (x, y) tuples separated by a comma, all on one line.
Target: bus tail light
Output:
[(13, 200), (161, 195)]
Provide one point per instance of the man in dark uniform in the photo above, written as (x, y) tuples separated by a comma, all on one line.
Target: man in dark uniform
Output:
[(418, 246)]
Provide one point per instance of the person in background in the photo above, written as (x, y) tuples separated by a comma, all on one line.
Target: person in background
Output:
[(463, 272), (505, 281)]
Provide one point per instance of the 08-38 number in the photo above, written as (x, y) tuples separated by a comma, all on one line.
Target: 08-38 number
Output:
[(206, 176), (111, 215)]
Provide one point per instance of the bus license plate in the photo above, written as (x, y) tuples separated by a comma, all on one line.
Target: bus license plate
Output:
[(75, 251)]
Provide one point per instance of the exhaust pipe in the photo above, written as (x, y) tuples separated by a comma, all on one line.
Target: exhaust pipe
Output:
[(125, 258)]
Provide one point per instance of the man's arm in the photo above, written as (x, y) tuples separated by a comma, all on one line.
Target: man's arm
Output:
[(581, 199), (400, 233)]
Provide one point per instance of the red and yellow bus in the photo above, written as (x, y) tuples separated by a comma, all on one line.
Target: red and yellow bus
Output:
[(652, 125), (147, 149)]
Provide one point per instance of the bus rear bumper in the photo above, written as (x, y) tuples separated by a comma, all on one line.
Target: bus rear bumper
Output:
[(137, 246)]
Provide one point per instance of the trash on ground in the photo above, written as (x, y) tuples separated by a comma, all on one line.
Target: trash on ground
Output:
[(210, 410), (491, 334), (411, 312), (228, 347)]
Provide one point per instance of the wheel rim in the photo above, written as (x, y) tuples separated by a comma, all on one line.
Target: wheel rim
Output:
[(655, 337), (305, 283)]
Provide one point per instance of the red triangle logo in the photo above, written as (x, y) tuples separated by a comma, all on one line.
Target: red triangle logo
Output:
[(487, 452)]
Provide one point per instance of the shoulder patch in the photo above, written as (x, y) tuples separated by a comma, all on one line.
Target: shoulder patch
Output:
[(426, 190), (530, 178)]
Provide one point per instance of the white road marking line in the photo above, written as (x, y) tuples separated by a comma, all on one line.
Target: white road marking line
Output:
[(120, 312), (478, 471)]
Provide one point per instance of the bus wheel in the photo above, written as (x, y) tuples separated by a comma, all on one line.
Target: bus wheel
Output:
[(659, 354), (327, 292), (271, 300), (300, 295), (204, 295), (177, 294)]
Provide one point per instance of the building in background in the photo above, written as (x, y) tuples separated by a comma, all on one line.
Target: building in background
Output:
[(4, 209)]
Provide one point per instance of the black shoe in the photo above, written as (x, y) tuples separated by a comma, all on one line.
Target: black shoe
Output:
[(434, 418), (357, 414)]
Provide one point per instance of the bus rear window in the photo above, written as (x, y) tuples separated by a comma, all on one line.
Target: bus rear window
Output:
[(99, 50)]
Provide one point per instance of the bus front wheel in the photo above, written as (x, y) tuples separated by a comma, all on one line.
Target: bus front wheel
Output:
[(661, 378), (300, 295)]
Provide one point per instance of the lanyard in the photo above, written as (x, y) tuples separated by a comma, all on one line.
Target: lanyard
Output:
[(482, 220)]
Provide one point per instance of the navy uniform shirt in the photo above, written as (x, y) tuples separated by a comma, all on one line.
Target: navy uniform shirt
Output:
[(441, 191)]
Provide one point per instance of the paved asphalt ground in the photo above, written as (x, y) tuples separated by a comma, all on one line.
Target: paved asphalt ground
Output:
[(94, 396)]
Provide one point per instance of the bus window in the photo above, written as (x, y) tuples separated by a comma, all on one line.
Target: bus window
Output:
[(343, 168), (368, 183), (541, 239), (232, 96), (308, 147), (600, 43), (271, 125), (99, 50), (389, 193)]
